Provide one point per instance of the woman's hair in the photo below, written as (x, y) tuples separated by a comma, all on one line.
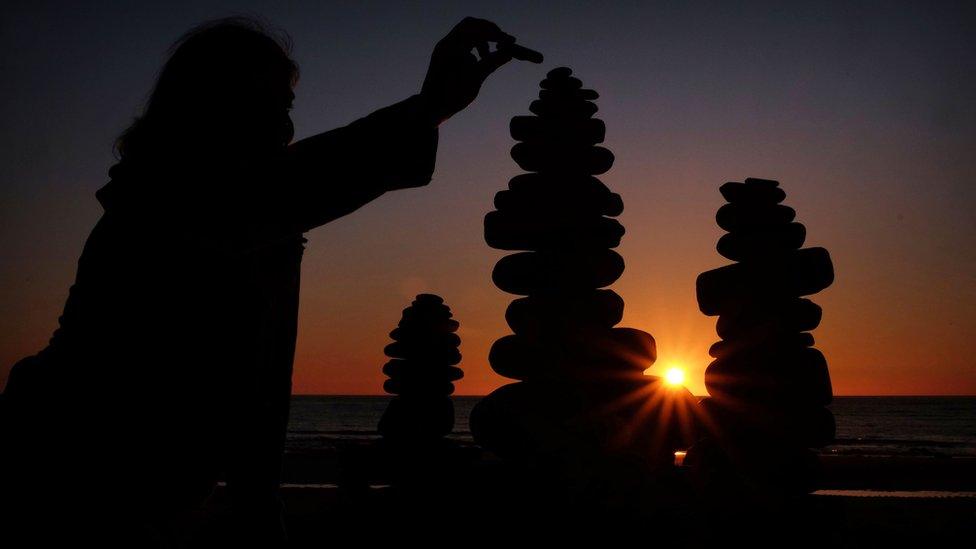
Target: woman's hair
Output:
[(221, 73)]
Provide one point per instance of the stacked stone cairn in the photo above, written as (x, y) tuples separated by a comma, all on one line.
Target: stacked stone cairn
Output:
[(768, 385), (423, 366), (582, 399)]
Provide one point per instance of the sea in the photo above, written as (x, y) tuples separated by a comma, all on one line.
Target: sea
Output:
[(867, 426)]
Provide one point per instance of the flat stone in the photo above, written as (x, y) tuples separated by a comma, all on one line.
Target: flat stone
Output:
[(557, 183), (753, 244), (573, 109), (559, 73), (570, 83), (756, 318), (627, 348), (552, 272), (424, 353), (428, 298), (741, 217), (538, 157), (796, 274), (773, 342), (428, 304), (412, 324), (521, 232), (425, 381), (603, 387), (569, 201), (540, 314), (800, 378), (537, 192), (583, 93), (422, 372), (545, 373), (572, 131), (428, 378), (418, 389), (751, 194), (769, 353), (396, 367), (615, 353), (427, 311), (427, 337), (515, 357)]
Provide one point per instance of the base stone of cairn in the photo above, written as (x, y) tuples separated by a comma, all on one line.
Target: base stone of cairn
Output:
[(768, 385), (583, 412)]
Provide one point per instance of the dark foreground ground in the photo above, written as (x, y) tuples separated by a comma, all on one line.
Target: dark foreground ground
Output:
[(478, 501)]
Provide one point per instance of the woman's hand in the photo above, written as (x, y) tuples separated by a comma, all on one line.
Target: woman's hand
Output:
[(455, 74)]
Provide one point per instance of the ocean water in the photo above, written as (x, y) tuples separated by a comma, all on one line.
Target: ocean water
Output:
[(921, 426), (318, 421)]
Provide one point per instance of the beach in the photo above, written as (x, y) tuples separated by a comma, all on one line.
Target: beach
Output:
[(877, 489), (902, 471), (865, 502)]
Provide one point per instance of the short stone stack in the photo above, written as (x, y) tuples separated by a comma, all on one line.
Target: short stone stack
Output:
[(582, 398), (422, 371), (768, 385)]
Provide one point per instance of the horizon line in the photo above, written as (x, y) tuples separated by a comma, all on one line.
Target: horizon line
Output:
[(697, 396)]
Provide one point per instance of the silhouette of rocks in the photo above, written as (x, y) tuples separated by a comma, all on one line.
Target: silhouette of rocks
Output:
[(768, 385), (557, 269), (538, 315), (783, 315), (582, 396), (423, 368), (757, 243), (587, 131), (514, 231), (540, 195), (777, 275)]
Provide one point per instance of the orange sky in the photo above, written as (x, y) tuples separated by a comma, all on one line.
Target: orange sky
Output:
[(866, 118), (915, 342)]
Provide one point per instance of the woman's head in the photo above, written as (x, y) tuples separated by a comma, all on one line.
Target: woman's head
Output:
[(227, 87)]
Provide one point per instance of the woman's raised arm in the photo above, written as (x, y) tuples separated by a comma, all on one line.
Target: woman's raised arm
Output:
[(336, 172)]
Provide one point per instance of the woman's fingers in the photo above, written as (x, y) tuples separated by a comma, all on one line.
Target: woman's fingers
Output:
[(506, 52), (455, 74), (521, 53), (476, 33)]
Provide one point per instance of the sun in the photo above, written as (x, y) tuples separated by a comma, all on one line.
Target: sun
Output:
[(674, 376)]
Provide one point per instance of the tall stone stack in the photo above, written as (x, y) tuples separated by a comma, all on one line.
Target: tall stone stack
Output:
[(581, 395), (422, 369), (768, 385)]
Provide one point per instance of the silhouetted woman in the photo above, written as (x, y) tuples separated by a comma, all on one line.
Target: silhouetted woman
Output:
[(172, 363)]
